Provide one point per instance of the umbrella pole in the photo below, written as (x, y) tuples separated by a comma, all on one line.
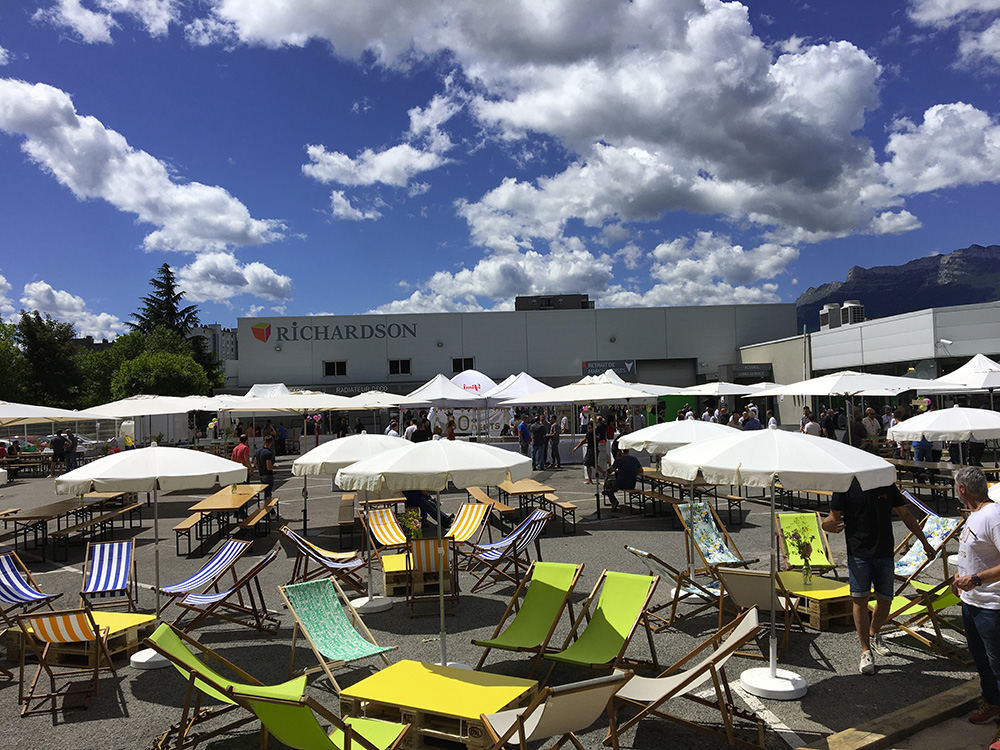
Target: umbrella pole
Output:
[(774, 596), (156, 547), (305, 503), (440, 556), (690, 534)]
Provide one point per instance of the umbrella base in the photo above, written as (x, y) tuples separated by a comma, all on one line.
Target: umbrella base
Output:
[(784, 686), (147, 658), (366, 604)]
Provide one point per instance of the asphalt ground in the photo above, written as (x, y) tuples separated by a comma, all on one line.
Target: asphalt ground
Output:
[(134, 706)]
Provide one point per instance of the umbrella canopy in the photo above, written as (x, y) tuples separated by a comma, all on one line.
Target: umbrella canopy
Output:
[(584, 393), (149, 405), (956, 424), (299, 402), (267, 390), (330, 457), (719, 388), (610, 376), (515, 386), (797, 461), (657, 439), (375, 400), (13, 414), (432, 464), (148, 469), (844, 383), (439, 391)]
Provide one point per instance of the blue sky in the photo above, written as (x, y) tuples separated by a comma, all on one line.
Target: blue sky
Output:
[(301, 157)]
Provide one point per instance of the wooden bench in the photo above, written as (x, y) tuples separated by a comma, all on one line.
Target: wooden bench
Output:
[(732, 500), (503, 512), (8, 512), (263, 513), (184, 529), (97, 526), (346, 518), (652, 502), (552, 503)]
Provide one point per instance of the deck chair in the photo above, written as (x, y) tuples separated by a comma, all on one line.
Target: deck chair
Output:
[(496, 558), (921, 617), (343, 566), (747, 589), (424, 566), (649, 694), (191, 659), (383, 530), (549, 588), (242, 603), (712, 541), (39, 633), (470, 522), (939, 531), (686, 591), (211, 573), (18, 590), (557, 712), (331, 626), (608, 631), (810, 529), (109, 573)]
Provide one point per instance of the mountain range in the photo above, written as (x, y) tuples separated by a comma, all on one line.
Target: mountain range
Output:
[(960, 277)]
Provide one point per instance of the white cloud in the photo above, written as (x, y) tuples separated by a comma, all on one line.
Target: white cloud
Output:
[(944, 13), (6, 303), (4, 56), (96, 162), (978, 47), (895, 222), (394, 166), (68, 308), (95, 25), (216, 277), (343, 209)]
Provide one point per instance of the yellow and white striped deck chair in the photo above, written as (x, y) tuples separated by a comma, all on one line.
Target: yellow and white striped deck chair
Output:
[(470, 522), (424, 561), (41, 633), (384, 532)]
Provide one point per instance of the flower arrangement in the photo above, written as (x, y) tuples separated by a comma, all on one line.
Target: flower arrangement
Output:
[(803, 546), (410, 521)]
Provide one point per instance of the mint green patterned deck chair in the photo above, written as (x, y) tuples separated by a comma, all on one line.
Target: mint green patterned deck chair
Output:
[(711, 539), (330, 625), (939, 531)]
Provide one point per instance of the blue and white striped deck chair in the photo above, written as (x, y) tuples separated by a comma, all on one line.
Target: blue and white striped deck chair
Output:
[(343, 566), (512, 550), (109, 573), (686, 591), (211, 573), (18, 590)]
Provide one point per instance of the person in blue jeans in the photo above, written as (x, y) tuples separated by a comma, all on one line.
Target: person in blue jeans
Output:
[(866, 515), (539, 438)]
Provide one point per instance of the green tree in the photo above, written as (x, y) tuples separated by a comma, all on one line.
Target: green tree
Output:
[(162, 306), (13, 365), (52, 377), (160, 374)]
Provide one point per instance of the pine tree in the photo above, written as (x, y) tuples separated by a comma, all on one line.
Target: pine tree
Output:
[(162, 307)]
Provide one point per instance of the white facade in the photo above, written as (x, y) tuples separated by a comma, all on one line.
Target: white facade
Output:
[(668, 345)]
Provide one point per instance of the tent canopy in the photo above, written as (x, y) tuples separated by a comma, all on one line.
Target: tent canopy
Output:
[(439, 391)]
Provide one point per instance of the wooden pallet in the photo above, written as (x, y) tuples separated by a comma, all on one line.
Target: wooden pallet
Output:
[(128, 632), (821, 614), (427, 730), (396, 584)]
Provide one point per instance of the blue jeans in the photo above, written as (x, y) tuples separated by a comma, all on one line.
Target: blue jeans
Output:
[(538, 457), (864, 573), (982, 631)]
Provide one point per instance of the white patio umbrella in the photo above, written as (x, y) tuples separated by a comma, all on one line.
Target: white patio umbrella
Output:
[(145, 405), (958, 424), (376, 400), (800, 462), (430, 466), (657, 439), (12, 413), (719, 388), (328, 459), (150, 470)]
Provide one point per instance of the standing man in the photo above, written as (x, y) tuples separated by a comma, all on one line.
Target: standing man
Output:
[(58, 446), (601, 435), (266, 466), (829, 424), (978, 584), (873, 426), (867, 516), (750, 421), (554, 460), (282, 439), (241, 454), (523, 436), (539, 437), (72, 441)]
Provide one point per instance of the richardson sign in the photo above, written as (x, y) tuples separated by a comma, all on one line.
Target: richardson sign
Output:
[(348, 332)]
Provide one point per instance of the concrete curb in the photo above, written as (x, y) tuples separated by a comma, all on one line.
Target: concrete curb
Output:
[(887, 730)]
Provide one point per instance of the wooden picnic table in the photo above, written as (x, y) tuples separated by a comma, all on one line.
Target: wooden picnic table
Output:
[(528, 492), (36, 520), (229, 501)]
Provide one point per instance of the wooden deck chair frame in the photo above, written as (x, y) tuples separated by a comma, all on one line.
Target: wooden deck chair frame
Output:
[(209, 576), (422, 561), (912, 614), (554, 717), (130, 590), (524, 612), (756, 593), (691, 541), (468, 526), (675, 682), (687, 591), (908, 541), (182, 734), (394, 538), (821, 560), (495, 559), (576, 637), (327, 664), (343, 566), (249, 608), (83, 623), (18, 589)]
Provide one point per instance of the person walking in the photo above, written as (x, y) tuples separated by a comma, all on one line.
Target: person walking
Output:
[(554, 459), (539, 437), (266, 465)]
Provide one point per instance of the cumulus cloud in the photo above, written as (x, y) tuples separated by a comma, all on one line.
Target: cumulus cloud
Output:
[(217, 277), (343, 209), (944, 13), (980, 47), (96, 162), (4, 56), (68, 308), (6, 303), (895, 222), (95, 24)]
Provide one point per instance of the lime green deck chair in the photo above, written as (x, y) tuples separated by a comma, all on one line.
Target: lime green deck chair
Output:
[(202, 681), (913, 614), (536, 618), (622, 604), (330, 625), (809, 528)]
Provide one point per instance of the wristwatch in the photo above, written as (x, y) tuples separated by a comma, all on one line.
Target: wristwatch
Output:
[(976, 580)]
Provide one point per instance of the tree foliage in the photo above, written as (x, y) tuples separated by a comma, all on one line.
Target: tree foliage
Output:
[(13, 366), (162, 307), (160, 374), (52, 377)]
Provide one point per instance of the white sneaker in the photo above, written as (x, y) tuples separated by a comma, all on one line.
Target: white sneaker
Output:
[(878, 645), (867, 663)]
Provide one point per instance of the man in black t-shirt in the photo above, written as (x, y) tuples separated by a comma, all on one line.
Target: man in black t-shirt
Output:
[(622, 476), (867, 517), (266, 465), (539, 436), (58, 446), (829, 424)]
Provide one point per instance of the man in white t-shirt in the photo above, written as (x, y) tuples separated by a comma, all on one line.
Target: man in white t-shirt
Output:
[(978, 584), (707, 415)]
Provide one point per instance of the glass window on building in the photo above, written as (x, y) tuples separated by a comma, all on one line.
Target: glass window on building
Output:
[(335, 369), (399, 367), (461, 364)]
